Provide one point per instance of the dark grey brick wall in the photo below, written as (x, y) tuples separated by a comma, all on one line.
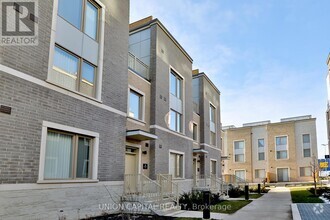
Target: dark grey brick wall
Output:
[(20, 132)]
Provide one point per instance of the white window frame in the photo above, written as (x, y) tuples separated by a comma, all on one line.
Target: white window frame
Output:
[(215, 123), (216, 166), (46, 125), (142, 94), (183, 95), (289, 175), (240, 170), (305, 171), (261, 151), (99, 66), (183, 162), (287, 147), (234, 150), (310, 144)]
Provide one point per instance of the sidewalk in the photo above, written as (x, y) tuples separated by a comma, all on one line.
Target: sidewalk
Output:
[(276, 204)]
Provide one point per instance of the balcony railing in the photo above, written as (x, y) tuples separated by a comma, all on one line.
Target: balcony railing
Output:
[(138, 66)]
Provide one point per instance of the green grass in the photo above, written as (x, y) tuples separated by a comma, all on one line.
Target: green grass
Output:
[(229, 207), (302, 195), (253, 196)]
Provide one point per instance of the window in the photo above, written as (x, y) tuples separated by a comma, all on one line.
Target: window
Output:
[(69, 74), (195, 132), (306, 145), (71, 11), (212, 125), (260, 174), (239, 148), (135, 105), (261, 149), (68, 156), (281, 148), (213, 167), (176, 85), (176, 165), (240, 175), (305, 171), (175, 121)]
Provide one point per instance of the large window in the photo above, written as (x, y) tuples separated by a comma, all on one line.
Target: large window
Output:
[(305, 171), (260, 174), (175, 121), (240, 175), (239, 148), (176, 85), (176, 165), (281, 147), (213, 167), (83, 14), (68, 156), (306, 145), (212, 125), (135, 105), (72, 72), (261, 149)]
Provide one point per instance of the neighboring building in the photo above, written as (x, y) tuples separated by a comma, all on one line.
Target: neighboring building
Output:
[(175, 107), (278, 152), (78, 129)]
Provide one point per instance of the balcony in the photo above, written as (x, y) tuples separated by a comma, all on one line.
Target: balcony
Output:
[(136, 65)]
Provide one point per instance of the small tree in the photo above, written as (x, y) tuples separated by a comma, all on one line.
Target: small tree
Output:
[(315, 171)]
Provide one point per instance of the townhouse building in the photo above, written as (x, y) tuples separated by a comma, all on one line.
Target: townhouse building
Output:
[(272, 152), (328, 102), (97, 110)]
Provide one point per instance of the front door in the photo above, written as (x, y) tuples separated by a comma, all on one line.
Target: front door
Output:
[(131, 170), (282, 174)]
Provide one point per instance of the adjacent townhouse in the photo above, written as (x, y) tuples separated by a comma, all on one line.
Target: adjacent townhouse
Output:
[(101, 112), (272, 152), (328, 103)]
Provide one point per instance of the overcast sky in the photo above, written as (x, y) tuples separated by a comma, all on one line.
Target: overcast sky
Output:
[(268, 58)]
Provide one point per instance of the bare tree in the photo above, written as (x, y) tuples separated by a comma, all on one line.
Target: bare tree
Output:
[(315, 171)]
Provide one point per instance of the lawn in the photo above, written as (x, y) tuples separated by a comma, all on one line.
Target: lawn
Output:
[(229, 207), (302, 195), (253, 196)]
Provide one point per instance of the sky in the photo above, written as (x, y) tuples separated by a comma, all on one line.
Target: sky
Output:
[(267, 57)]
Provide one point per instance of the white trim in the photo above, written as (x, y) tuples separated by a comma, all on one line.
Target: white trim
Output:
[(283, 168), (239, 140), (287, 146), (52, 125), (139, 76), (170, 131), (183, 95), (70, 93), (183, 162), (207, 145), (60, 185), (310, 144), (240, 170), (143, 107)]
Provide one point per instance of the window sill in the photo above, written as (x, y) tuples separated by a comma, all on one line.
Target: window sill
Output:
[(179, 178), (67, 181), (136, 120), (75, 92)]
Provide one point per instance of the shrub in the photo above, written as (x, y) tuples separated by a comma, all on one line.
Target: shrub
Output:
[(254, 189), (195, 198), (319, 190), (235, 192)]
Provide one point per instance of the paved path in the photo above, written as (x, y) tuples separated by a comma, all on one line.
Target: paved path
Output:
[(276, 204)]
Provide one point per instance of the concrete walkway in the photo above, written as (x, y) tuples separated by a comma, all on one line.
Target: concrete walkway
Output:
[(276, 204)]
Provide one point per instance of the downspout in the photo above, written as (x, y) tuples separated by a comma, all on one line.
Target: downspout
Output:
[(251, 156)]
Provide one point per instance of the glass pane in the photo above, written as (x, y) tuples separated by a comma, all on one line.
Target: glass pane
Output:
[(83, 158), (261, 156), (195, 132), (65, 62), (260, 142), (306, 138), (178, 122), (172, 120), (58, 161), (281, 154), (212, 114), (71, 11), (239, 145), (179, 88), (307, 152), (88, 73), (134, 105), (173, 85), (91, 14)]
